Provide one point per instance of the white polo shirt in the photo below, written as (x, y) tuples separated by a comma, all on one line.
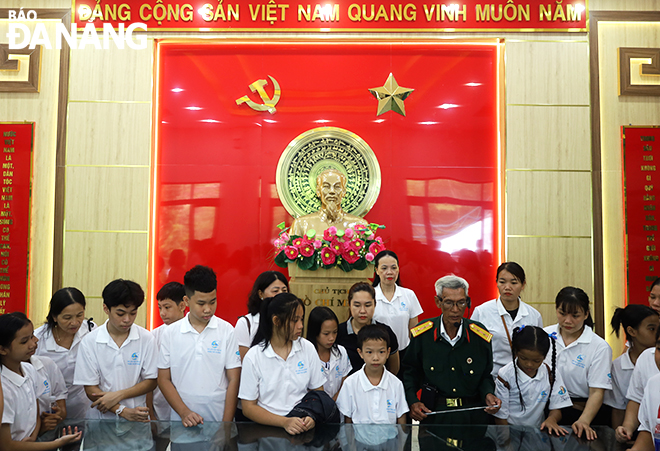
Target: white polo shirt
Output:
[(77, 402), (534, 392), (20, 396), (397, 312), (161, 406), (622, 371), (53, 387), (364, 402), (584, 364), (645, 369), (648, 409), (277, 384), (112, 368), (245, 335), (198, 364), (491, 313), (337, 369)]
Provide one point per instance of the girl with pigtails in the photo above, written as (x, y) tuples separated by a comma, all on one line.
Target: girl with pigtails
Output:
[(523, 385)]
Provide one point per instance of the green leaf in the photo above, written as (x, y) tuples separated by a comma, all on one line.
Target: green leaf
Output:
[(360, 264), (345, 266), (281, 225), (306, 263), (281, 260)]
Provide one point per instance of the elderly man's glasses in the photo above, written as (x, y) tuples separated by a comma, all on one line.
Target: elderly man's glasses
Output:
[(448, 305)]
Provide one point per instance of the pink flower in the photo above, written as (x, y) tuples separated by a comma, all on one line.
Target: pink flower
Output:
[(291, 252), (329, 233), (285, 237), (336, 246), (298, 242), (369, 257), (328, 256), (379, 240), (356, 244), (376, 247), (278, 243), (348, 233), (360, 227), (350, 255), (307, 249), (318, 244)]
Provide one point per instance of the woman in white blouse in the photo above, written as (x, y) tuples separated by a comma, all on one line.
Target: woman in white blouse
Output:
[(502, 315)]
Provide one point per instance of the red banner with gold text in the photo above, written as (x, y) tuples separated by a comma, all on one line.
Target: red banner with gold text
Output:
[(641, 186), (373, 16), (17, 139)]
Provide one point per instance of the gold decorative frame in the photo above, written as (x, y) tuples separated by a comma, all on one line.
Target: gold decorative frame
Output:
[(32, 84), (626, 88), (297, 149)]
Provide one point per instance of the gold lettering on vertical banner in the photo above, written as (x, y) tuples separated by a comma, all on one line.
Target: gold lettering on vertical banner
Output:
[(639, 71)]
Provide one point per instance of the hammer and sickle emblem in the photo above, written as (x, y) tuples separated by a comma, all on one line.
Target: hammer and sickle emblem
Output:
[(269, 104)]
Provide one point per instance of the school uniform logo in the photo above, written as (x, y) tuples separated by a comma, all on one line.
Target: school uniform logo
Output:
[(562, 390), (46, 388), (543, 396), (578, 361), (134, 360), (403, 307), (301, 368), (214, 348), (390, 406)]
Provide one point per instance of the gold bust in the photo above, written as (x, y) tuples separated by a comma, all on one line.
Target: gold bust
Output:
[(330, 188)]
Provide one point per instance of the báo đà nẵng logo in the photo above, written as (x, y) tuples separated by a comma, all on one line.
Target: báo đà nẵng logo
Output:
[(21, 35)]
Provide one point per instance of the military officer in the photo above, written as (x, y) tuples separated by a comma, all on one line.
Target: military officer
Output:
[(450, 359)]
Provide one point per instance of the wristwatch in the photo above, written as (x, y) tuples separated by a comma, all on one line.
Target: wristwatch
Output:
[(120, 409)]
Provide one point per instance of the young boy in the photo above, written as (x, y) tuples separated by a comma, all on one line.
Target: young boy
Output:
[(373, 394), (117, 361), (171, 307), (199, 367)]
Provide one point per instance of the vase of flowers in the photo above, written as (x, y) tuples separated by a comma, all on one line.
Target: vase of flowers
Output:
[(351, 249)]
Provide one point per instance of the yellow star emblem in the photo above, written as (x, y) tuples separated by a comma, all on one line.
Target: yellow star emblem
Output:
[(391, 96)]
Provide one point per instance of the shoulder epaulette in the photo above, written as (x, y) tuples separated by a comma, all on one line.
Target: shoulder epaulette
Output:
[(421, 328), (483, 333)]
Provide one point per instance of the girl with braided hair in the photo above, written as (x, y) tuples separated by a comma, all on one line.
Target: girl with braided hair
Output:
[(527, 385)]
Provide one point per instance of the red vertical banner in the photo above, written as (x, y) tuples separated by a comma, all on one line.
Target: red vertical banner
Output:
[(641, 187), (15, 199)]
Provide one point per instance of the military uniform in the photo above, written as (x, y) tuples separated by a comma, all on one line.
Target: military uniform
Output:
[(460, 374)]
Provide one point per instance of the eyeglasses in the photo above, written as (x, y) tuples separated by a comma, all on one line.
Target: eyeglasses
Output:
[(448, 305)]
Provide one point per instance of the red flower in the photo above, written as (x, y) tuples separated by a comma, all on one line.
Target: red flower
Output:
[(307, 248), (350, 255), (356, 245), (337, 246), (291, 252), (298, 242), (376, 247), (328, 256)]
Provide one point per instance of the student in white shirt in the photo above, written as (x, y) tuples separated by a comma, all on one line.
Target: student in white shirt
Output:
[(20, 388), (639, 323), (52, 401), (396, 306), (279, 371), (527, 385), (649, 412), (267, 285), (59, 339), (322, 327), (373, 395), (654, 295), (584, 359), (199, 367), (117, 361), (502, 315), (171, 308), (647, 366)]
